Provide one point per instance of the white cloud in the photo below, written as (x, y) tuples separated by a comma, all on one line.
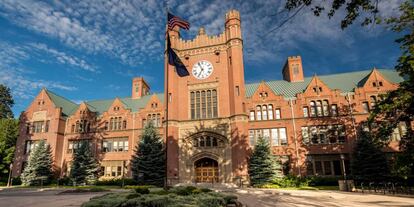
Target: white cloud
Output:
[(15, 75), (63, 57)]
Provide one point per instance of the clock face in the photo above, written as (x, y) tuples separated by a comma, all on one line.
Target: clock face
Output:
[(202, 69)]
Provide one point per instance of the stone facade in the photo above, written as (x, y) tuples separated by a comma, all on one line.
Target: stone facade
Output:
[(215, 118)]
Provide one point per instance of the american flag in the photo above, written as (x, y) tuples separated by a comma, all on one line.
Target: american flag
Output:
[(177, 21)]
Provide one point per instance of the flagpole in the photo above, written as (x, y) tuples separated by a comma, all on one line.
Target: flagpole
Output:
[(166, 115)]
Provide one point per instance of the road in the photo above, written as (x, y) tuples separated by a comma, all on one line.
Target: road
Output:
[(48, 198), (299, 198)]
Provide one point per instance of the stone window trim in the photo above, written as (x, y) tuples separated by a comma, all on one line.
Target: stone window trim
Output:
[(265, 112), (38, 127), (197, 137), (320, 108), (276, 136), (115, 144), (203, 104)]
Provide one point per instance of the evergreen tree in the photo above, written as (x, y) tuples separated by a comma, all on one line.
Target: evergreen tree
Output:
[(6, 102), (9, 130), (85, 168), (369, 162), (39, 165), (263, 167), (148, 163)]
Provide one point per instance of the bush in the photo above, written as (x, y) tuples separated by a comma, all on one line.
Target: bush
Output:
[(183, 190), (290, 181), (133, 195), (230, 199), (142, 190), (116, 182), (107, 200), (211, 201), (323, 181)]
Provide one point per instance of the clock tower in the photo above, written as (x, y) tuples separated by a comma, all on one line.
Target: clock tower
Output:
[(207, 122)]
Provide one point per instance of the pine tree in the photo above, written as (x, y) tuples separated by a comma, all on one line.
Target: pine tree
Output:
[(369, 163), (85, 168), (148, 163), (263, 167), (39, 165)]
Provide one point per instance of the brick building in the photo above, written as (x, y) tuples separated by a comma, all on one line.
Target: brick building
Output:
[(214, 116)]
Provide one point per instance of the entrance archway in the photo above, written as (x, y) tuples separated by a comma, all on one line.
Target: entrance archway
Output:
[(206, 170)]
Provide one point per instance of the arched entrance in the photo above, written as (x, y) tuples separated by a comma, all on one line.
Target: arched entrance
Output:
[(206, 170)]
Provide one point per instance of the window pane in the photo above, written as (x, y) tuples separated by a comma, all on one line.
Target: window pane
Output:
[(325, 108), (305, 112), (251, 115), (258, 113), (251, 137), (305, 135), (264, 111), (203, 104), (327, 167), (209, 114), (214, 95), (192, 100), (197, 105), (275, 137), (283, 136), (270, 110), (277, 113), (319, 108)]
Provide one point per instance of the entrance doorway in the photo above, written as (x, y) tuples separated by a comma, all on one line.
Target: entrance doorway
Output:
[(206, 170)]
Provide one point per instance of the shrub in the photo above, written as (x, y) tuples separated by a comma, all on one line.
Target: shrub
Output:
[(107, 200), (183, 190), (142, 190), (230, 199), (116, 182), (323, 181), (290, 181), (211, 201), (133, 195)]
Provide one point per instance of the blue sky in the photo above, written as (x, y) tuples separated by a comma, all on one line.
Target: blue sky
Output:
[(87, 50)]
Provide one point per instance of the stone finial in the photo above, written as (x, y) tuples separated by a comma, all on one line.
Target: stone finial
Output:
[(201, 31)]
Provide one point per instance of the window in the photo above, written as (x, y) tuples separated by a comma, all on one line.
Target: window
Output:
[(373, 101), (258, 113), (264, 112), (113, 168), (116, 123), (334, 110), (325, 134), (73, 145), (399, 132), (325, 165), (380, 83), (119, 144), (365, 107), (277, 114), (30, 145), (276, 136), (47, 126), (155, 119), (252, 115), (207, 141), (237, 90), (203, 104), (325, 107), (374, 84), (305, 112), (319, 108), (270, 111), (312, 109), (38, 126)]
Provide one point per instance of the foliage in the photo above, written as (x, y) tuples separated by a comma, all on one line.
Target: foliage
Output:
[(369, 162), (85, 189), (142, 190), (85, 168), (291, 181), (263, 167), (6, 102), (148, 163), (9, 131), (167, 198), (367, 9), (39, 165), (117, 182), (323, 181)]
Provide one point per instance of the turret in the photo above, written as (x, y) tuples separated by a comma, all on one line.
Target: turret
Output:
[(233, 24), (139, 88), (293, 71)]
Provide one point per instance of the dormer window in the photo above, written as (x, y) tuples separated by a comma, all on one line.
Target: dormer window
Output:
[(315, 90), (380, 83), (374, 84), (320, 89)]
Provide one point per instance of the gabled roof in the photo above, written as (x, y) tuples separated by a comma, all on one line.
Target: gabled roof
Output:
[(101, 106), (346, 82), (59, 101)]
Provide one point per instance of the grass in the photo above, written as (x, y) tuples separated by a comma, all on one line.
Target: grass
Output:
[(311, 188)]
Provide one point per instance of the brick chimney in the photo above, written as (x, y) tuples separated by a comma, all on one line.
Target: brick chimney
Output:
[(140, 88), (293, 71)]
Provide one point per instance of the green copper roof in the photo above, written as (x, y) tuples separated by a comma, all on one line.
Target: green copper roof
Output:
[(101, 106), (59, 101), (346, 82)]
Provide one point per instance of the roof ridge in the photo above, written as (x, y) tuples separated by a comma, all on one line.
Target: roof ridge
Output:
[(66, 99)]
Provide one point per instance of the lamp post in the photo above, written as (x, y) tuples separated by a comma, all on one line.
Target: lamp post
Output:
[(344, 171), (10, 172)]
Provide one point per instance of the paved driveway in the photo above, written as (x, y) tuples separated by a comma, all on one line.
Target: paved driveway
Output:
[(48, 198), (282, 198)]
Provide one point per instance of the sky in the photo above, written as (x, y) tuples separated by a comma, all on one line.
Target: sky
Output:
[(88, 50)]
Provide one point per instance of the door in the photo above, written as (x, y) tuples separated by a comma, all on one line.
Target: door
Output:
[(206, 170)]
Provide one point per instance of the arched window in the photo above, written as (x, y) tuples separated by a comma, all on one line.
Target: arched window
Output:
[(206, 141), (77, 126), (270, 111), (72, 130), (111, 124), (325, 105), (258, 113), (192, 105), (124, 124), (209, 115), (312, 109), (264, 111), (203, 105), (214, 102), (319, 108), (214, 142), (197, 102)]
